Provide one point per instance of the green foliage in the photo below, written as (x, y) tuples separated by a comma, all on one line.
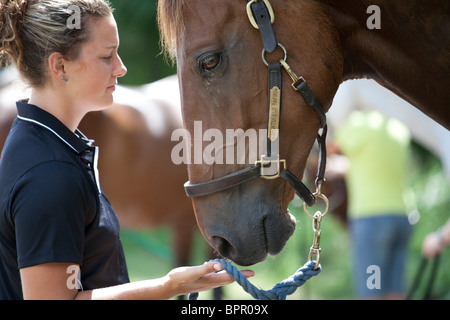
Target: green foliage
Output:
[(139, 42)]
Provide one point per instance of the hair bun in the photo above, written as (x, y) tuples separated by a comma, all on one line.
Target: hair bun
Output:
[(12, 14), (14, 7)]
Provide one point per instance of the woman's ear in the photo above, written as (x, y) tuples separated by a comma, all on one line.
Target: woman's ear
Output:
[(56, 66)]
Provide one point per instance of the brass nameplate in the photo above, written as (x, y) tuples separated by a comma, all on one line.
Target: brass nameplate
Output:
[(274, 113)]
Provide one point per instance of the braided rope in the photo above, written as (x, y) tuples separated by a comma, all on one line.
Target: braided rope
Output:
[(279, 292)]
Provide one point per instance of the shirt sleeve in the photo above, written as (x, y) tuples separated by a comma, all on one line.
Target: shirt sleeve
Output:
[(51, 207)]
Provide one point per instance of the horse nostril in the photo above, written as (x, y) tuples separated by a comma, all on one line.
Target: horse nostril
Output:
[(223, 246)]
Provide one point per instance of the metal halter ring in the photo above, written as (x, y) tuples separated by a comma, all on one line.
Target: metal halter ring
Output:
[(264, 54), (327, 203)]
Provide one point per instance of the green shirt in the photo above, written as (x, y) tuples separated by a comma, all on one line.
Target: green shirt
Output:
[(377, 149)]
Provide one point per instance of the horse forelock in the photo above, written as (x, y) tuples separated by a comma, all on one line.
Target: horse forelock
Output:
[(171, 24)]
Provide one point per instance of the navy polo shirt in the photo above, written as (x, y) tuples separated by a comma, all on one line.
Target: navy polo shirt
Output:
[(52, 208)]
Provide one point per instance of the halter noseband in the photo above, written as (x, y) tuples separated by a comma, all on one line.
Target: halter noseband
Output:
[(261, 16)]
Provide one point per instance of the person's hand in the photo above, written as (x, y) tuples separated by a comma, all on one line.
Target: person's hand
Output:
[(432, 245), (187, 280)]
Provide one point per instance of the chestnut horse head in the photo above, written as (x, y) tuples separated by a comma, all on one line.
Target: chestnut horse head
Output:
[(224, 85)]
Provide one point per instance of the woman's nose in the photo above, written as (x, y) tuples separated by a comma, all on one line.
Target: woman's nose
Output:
[(121, 70)]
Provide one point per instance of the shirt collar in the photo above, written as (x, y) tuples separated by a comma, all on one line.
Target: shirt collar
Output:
[(76, 141)]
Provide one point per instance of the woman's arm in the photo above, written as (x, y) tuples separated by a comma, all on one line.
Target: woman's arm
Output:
[(50, 282)]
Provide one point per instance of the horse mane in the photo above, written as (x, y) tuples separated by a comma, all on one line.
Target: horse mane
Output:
[(171, 24)]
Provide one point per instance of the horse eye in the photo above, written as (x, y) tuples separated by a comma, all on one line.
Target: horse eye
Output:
[(210, 61)]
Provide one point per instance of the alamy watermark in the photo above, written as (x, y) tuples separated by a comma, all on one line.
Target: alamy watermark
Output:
[(74, 280), (235, 146), (74, 21), (374, 21), (374, 280)]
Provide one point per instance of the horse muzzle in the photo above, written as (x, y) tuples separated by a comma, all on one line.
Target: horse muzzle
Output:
[(245, 233)]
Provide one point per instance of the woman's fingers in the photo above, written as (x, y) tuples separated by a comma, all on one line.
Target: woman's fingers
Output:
[(201, 278)]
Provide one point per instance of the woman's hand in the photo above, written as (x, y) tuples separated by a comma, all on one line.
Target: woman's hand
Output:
[(436, 242), (432, 245), (187, 280)]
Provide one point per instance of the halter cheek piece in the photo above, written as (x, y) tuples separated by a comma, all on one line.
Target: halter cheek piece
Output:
[(262, 16)]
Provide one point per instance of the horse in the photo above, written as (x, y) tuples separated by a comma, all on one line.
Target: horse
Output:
[(136, 171), (320, 44)]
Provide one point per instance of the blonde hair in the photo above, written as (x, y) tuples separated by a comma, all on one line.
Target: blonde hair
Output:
[(31, 30)]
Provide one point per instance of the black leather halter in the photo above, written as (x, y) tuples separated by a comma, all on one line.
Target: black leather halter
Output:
[(262, 17)]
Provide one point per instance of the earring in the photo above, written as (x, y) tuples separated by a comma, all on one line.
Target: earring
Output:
[(65, 79)]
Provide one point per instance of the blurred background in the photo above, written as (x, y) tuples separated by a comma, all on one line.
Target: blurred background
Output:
[(139, 42)]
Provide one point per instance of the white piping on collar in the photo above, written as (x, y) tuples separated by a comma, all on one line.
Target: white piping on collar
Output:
[(50, 129), (90, 142), (96, 174)]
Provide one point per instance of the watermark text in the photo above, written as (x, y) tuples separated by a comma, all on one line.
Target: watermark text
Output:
[(74, 21), (374, 21), (214, 146), (374, 280)]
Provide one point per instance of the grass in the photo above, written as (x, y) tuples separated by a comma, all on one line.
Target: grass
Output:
[(149, 254)]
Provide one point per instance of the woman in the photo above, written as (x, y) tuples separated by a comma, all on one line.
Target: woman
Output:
[(59, 236)]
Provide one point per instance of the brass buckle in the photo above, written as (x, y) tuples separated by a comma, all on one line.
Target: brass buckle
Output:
[(264, 163), (252, 18)]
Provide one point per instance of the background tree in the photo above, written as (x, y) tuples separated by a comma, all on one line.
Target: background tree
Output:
[(139, 42)]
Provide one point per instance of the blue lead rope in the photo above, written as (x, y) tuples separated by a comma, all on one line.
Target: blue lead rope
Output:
[(279, 292)]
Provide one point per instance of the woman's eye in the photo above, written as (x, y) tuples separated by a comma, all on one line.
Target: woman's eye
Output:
[(210, 61)]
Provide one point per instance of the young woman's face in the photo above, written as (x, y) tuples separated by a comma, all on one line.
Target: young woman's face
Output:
[(93, 75)]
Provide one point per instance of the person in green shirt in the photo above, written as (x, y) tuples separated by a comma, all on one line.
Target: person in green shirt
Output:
[(377, 149)]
